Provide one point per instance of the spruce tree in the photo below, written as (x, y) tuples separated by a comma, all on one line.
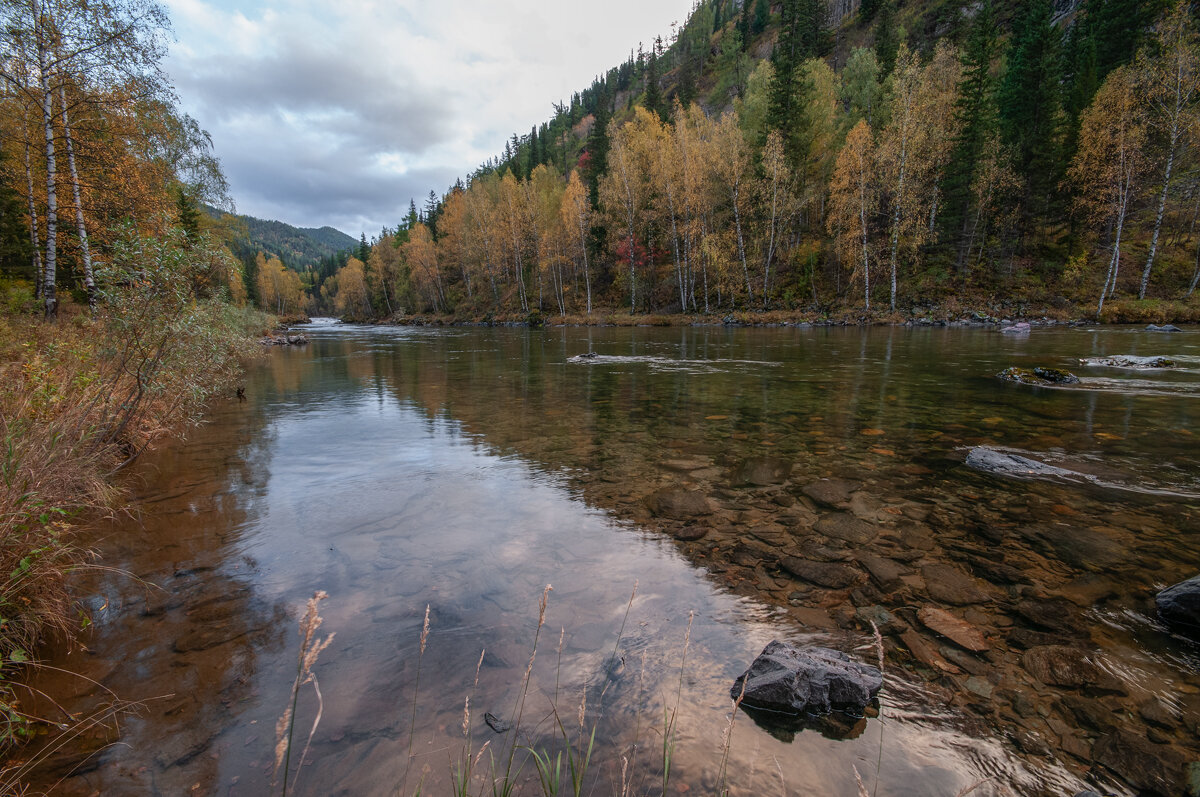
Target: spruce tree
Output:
[(744, 24), (654, 98), (188, 214), (364, 249), (535, 154), (975, 115), (786, 58), (762, 16), (1028, 104), (887, 38), (813, 18), (597, 148), (1119, 27)]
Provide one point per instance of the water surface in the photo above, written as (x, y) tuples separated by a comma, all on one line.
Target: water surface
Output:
[(467, 469)]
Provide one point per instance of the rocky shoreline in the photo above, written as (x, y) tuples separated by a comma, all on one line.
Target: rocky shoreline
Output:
[(998, 619)]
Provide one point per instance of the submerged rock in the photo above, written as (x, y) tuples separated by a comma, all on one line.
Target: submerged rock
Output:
[(1059, 665), (834, 493), (955, 629), (1038, 376), (583, 358), (993, 460), (948, 584), (808, 680), (1179, 606), (848, 528), (825, 574), (678, 504), (1163, 328), (762, 472), (1152, 768), (1130, 361), (1021, 327)]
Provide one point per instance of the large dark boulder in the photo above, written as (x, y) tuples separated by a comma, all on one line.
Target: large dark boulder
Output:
[(1179, 606), (807, 680)]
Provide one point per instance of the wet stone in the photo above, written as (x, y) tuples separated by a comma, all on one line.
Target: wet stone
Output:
[(678, 504), (960, 658), (916, 536), (825, 574), (923, 652), (1026, 638), (1058, 665), (1090, 713), (842, 526), (811, 549), (953, 628), (948, 584), (806, 680), (762, 472), (997, 572), (1156, 769), (1157, 713), (834, 493), (885, 572), (690, 533), (979, 686), (1179, 606), (1054, 615), (885, 621), (1081, 548)]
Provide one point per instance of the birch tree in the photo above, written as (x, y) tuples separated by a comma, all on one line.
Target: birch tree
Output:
[(1170, 85), (853, 201), (576, 218), (1109, 163)]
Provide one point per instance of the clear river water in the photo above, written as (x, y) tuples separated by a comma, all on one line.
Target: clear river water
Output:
[(742, 485)]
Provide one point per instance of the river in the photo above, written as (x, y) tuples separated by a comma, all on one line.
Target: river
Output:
[(466, 469)]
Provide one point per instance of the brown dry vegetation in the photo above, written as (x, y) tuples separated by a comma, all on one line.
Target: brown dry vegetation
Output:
[(80, 399)]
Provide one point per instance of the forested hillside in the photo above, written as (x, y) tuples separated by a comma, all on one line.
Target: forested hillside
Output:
[(298, 247), (833, 159)]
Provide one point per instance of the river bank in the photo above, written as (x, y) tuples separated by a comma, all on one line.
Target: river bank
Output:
[(80, 399), (946, 313)]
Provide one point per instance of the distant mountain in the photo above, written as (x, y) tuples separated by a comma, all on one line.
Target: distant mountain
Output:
[(297, 247)]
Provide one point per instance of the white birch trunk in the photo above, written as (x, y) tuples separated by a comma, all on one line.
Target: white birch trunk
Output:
[(80, 226)]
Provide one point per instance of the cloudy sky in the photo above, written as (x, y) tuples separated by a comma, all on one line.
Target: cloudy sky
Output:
[(338, 113)]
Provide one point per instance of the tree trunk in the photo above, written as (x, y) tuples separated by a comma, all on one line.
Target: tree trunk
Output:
[(33, 218), (1162, 203), (898, 203), (49, 297), (587, 280), (737, 222), (771, 243), (862, 216), (80, 227)]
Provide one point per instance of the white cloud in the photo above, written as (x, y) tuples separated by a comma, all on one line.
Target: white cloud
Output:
[(339, 114)]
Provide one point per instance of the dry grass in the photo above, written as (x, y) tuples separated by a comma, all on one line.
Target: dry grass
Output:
[(80, 398)]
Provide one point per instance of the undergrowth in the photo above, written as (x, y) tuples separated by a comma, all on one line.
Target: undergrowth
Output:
[(80, 398)]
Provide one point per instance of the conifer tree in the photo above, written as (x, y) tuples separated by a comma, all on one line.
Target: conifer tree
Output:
[(1028, 104), (787, 57), (887, 38), (743, 24), (597, 149), (975, 118), (762, 15), (654, 99)]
